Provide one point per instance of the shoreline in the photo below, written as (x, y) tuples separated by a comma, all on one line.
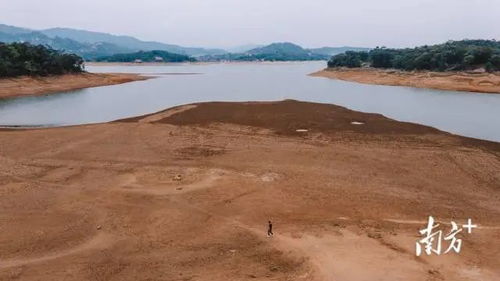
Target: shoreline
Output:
[(190, 63), (179, 108), (452, 81), (227, 112), (25, 86)]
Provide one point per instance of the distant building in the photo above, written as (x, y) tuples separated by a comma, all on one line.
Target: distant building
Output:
[(158, 59), (138, 61)]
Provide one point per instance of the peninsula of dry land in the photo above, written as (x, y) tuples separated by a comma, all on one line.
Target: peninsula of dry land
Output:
[(185, 194), (35, 86), (456, 81)]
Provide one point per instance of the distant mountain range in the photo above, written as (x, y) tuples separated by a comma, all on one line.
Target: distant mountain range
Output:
[(88, 51), (92, 45), (127, 42), (284, 51)]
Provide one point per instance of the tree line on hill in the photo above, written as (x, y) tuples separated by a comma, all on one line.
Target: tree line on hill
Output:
[(149, 56), (18, 59), (284, 51), (273, 52), (450, 56)]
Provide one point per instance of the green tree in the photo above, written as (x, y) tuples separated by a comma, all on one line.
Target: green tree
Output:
[(26, 59), (452, 55), (382, 58)]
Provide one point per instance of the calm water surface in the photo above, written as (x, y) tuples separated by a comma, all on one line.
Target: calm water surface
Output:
[(469, 114)]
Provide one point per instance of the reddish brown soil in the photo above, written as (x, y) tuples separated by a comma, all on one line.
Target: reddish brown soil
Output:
[(289, 116), (186, 194), (34, 86), (456, 81)]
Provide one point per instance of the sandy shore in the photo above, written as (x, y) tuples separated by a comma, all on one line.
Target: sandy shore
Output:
[(137, 64), (33, 86), (456, 81), (185, 194)]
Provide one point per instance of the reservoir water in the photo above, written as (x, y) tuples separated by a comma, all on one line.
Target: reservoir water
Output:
[(469, 114)]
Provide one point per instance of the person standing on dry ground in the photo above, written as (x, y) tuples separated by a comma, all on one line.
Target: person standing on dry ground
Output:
[(270, 229)]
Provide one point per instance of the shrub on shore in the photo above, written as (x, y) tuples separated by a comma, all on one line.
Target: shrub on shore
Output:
[(18, 59), (452, 55)]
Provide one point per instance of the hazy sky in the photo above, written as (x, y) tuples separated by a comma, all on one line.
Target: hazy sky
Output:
[(224, 23)]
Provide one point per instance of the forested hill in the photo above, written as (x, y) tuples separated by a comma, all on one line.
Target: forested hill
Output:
[(18, 59), (274, 52), (150, 56), (450, 56)]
